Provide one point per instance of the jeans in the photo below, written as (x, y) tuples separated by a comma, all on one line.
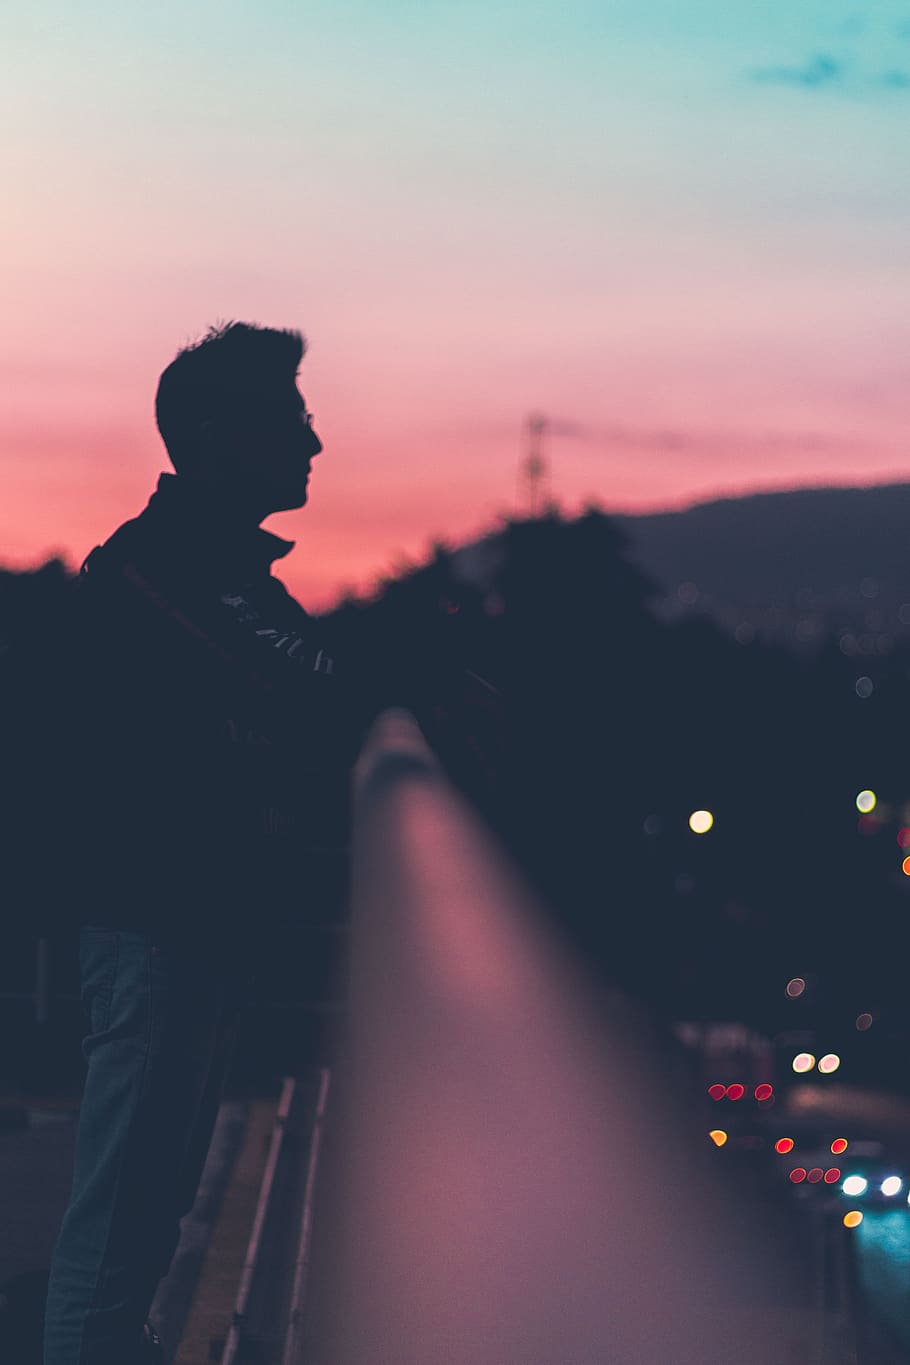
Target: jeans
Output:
[(162, 1024)]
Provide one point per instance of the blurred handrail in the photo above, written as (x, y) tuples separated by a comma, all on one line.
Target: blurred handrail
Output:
[(511, 1189)]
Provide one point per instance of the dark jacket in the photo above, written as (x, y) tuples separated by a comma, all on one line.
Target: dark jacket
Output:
[(205, 732)]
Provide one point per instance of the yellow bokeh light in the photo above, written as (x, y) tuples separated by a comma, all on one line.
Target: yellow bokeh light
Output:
[(803, 1061), (700, 821), (853, 1219), (865, 802), (717, 1136), (830, 1062)]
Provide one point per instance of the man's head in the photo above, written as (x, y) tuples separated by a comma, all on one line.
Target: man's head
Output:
[(234, 421)]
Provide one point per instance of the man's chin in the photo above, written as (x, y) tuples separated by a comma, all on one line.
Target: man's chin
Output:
[(290, 501)]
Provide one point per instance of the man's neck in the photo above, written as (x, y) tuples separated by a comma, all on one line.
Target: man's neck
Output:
[(220, 505)]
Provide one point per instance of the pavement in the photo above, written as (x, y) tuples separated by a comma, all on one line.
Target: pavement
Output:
[(37, 1143)]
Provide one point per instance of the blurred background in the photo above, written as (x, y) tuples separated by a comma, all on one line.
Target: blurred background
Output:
[(608, 332)]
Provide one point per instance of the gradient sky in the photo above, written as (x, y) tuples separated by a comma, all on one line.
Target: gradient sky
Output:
[(678, 228)]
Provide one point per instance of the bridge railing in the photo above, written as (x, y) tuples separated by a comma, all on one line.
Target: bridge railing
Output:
[(513, 1186)]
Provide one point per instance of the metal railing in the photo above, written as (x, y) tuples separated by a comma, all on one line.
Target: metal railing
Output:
[(514, 1187)]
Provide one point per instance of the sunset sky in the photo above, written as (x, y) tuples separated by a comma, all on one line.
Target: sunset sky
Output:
[(677, 228)]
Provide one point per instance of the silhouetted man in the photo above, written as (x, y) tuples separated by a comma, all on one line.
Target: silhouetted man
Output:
[(208, 747)]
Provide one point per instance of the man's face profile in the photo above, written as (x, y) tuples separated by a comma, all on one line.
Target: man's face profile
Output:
[(261, 454)]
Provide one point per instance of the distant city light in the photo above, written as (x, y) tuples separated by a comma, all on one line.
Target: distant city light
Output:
[(891, 1186), (855, 1184), (717, 1136), (830, 1062), (700, 821), (735, 1092), (832, 1175), (717, 1092), (784, 1145), (863, 1021), (798, 1174), (853, 1219), (866, 801), (795, 987), (803, 1061), (839, 1145), (864, 687), (764, 1092)]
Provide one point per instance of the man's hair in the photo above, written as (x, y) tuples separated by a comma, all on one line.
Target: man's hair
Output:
[(229, 373)]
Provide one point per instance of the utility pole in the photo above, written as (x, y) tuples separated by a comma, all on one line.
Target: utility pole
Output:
[(534, 467)]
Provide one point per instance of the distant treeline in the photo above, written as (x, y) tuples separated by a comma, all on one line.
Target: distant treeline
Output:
[(617, 725)]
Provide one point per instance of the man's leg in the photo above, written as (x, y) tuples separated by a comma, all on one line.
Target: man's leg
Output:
[(156, 1019), (237, 991)]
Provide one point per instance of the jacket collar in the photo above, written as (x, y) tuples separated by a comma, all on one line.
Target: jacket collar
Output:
[(206, 530)]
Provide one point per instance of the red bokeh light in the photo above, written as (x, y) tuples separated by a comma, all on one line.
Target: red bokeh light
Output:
[(784, 1145), (815, 1175), (903, 837), (764, 1092), (735, 1092), (797, 1174), (832, 1175), (717, 1092), (839, 1145)]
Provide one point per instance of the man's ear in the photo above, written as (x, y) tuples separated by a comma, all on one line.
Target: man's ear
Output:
[(207, 444)]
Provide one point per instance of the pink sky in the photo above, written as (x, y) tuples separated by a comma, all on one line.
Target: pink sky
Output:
[(470, 221)]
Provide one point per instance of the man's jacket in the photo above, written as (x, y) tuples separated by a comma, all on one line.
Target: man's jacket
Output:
[(205, 731)]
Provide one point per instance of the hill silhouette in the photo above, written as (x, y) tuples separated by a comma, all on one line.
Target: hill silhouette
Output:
[(769, 547)]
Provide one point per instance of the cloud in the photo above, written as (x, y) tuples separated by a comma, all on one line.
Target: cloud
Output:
[(826, 72), (822, 70)]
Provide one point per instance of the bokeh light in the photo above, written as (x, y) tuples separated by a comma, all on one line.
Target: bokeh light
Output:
[(764, 1091), (798, 1174), (717, 1092), (864, 687), (865, 802), (903, 837), (832, 1175), (795, 987), (735, 1092), (784, 1145), (905, 867), (830, 1062), (855, 1184), (815, 1175), (891, 1186), (700, 821), (718, 1136), (802, 1062), (839, 1145), (853, 1219), (863, 1021)]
